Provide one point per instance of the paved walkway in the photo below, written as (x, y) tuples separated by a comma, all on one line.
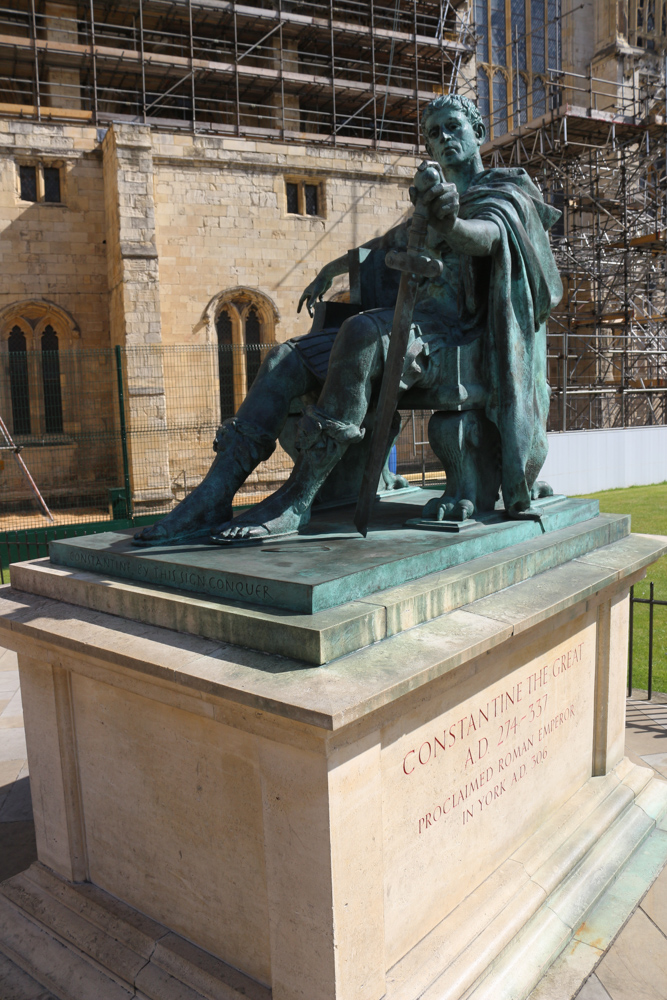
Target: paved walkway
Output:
[(633, 968)]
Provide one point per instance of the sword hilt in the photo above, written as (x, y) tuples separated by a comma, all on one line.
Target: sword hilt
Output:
[(413, 260)]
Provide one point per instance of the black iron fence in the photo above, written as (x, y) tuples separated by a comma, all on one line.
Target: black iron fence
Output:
[(644, 639), (123, 434)]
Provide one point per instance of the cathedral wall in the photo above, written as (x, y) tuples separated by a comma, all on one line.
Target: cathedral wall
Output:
[(55, 250), (227, 243), (222, 221), (154, 236)]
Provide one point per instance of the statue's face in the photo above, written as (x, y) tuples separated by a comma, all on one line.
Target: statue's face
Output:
[(451, 138)]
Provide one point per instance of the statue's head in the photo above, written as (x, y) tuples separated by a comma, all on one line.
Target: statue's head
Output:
[(453, 129)]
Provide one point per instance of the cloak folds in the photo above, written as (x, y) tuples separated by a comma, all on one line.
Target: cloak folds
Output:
[(510, 295)]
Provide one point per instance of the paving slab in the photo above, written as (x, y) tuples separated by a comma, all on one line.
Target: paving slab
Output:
[(593, 990), (654, 904), (620, 972)]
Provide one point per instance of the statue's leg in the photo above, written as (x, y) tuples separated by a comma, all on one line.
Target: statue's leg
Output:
[(240, 445), (325, 432), (468, 445)]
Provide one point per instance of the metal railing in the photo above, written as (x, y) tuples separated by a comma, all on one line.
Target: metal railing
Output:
[(652, 603)]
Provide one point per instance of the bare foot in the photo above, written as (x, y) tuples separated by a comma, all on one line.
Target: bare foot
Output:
[(200, 513), (279, 514), (446, 508)]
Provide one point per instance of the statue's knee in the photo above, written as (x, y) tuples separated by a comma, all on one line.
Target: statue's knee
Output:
[(278, 357), (357, 333)]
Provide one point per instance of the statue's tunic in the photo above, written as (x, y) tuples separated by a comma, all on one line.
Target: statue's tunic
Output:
[(505, 299)]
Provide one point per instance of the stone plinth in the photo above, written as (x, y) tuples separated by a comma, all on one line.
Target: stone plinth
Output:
[(326, 564), (431, 815)]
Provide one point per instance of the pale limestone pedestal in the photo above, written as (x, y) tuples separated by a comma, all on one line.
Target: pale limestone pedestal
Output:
[(431, 816)]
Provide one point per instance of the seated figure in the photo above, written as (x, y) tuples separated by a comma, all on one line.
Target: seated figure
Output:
[(476, 355)]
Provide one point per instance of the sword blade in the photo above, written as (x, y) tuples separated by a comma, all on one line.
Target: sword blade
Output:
[(388, 401)]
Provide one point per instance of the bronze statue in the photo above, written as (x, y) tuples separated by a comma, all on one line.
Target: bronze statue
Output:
[(476, 354)]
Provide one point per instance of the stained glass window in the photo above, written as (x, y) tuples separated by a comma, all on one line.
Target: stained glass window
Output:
[(553, 34), (518, 38), (500, 109), (521, 99), (53, 405), (18, 381), (527, 54), (253, 336), (498, 34), (537, 35), (483, 96), (225, 364), (481, 28)]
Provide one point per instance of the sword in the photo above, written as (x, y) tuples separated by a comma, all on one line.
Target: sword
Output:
[(414, 266)]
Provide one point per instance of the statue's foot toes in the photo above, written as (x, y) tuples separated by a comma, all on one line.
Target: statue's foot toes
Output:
[(463, 510), (239, 533), (152, 534), (541, 489), (439, 509), (182, 526)]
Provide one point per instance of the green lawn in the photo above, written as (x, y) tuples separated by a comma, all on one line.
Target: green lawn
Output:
[(648, 507)]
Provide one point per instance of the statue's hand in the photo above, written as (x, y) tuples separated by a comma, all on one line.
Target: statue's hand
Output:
[(445, 205), (441, 198), (314, 291)]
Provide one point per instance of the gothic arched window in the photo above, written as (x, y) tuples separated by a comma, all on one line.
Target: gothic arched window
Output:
[(253, 338), (498, 36), (500, 108), (19, 386), (520, 99), (223, 326), (483, 98), (242, 321), (53, 403)]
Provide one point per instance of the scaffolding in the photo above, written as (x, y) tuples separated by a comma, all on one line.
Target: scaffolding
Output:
[(357, 73), (353, 72), (599, 156)]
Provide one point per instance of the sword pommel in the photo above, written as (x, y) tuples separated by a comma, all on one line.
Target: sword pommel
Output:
[(414, 263)]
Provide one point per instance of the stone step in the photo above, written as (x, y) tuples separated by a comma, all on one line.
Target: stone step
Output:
[(80, 943), (123, 923), (16, 985), (61, 970), (475, 934), (75, 931), (519, 967)]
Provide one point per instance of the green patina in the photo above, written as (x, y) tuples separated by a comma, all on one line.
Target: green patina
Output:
[(477, 258), (324, 566)]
